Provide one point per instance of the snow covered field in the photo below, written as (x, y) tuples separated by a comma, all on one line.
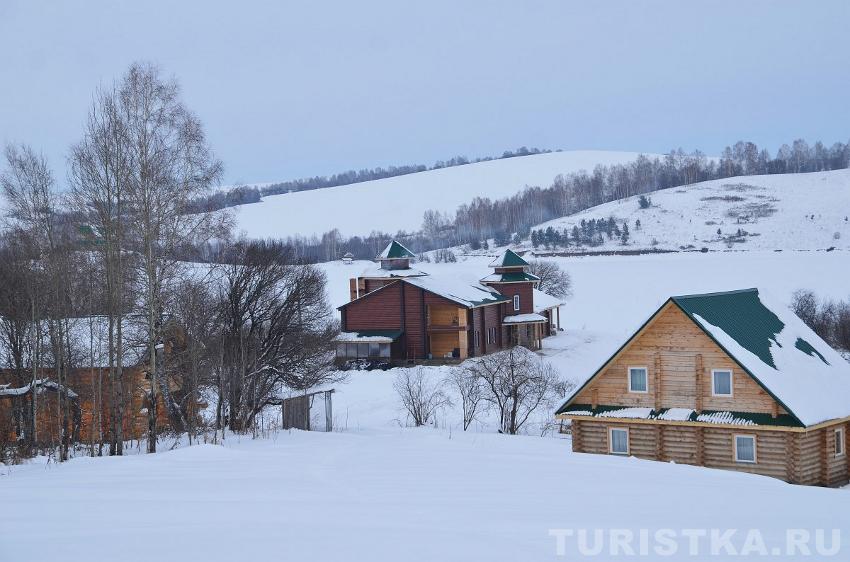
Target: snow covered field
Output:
[(789, 212), (375, 490), (381, 495), (395, 204)]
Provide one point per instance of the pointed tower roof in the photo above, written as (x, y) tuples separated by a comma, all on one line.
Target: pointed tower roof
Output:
[(509, 258), (395, 251)]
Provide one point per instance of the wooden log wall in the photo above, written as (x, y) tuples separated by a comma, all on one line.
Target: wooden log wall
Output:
[(679, 357), (797, 457)]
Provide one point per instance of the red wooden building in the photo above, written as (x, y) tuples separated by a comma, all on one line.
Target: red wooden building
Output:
[(400, 314)]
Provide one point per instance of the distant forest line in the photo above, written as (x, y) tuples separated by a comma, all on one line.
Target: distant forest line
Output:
[(245, 194), (510, 219)]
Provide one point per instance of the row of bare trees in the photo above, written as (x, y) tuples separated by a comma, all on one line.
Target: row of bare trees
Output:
[(113, 244), (512, 384)]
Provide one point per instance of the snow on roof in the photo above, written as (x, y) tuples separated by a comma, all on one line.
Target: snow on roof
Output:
[(679, 415), (369, 336), (544, 301), (394, 250), (508, 258), (374, 271), (40, 384), (792, 362), (458, 291), (523, 318)]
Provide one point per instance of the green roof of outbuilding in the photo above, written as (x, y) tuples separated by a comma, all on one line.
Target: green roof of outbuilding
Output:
[(394, 250), (509, 258)]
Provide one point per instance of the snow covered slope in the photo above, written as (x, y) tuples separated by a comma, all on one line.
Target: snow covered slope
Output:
[(398, 203), (788, 212)]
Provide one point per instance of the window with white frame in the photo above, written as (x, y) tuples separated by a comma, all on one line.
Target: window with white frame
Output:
[(618, 440), (721, 382), (638, 379), (477, 338), (745, 448), (491, 335), (516, 302), (839, 442)]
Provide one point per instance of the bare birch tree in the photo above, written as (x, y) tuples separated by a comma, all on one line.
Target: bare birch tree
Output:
[(169, 166)]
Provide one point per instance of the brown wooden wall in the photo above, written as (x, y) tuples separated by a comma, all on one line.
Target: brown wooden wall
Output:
[(401, 307), (672, 348), (797, 457), (378, 311), (526, 296)]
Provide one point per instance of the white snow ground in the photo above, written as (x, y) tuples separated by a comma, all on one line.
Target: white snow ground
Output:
[(788, 211), (395, 204), (378, 491)]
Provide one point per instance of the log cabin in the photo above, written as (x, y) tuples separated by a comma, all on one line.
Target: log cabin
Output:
[(727, 380), (88, 388), (399, 314)]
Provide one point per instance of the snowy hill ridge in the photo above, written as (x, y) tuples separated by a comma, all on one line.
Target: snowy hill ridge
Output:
[(772, 212), (398, 203)]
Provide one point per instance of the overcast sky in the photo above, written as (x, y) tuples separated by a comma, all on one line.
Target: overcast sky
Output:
[(291, 89)]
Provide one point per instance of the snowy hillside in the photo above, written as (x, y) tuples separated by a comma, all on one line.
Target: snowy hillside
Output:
[(787, 212), (398, 203)]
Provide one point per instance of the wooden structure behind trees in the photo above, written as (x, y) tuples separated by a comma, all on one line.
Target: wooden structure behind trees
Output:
[(91, 398), (723, 381)]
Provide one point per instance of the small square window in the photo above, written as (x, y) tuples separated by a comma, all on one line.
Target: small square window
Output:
[(721, 382), (638, 379), (618, 441), (839, 442), (745, 448), (516, 302)]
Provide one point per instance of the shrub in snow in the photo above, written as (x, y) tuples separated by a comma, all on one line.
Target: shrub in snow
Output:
[(420, 398), (516, 382), (644, 202), (468, 386)]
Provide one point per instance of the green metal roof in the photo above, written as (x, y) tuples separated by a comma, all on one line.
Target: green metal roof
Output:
[(394, 250), (724, 417), (743, 317), (510, 277), (509, 259)]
